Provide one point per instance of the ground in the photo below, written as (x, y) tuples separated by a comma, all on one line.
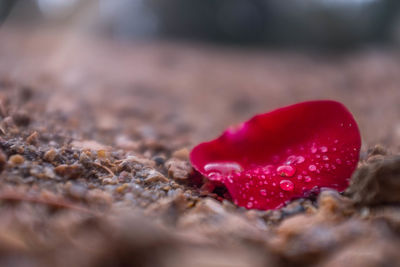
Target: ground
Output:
[(94, 141)]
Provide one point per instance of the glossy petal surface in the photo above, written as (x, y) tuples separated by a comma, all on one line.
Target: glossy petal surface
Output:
[(284, 154)]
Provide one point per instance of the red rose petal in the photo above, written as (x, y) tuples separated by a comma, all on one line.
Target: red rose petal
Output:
[(284, 154)]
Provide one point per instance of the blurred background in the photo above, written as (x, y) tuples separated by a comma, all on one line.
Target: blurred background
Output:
[(183, 70), (323, 23)]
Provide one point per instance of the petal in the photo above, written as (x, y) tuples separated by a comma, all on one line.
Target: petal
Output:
[(284, 154)]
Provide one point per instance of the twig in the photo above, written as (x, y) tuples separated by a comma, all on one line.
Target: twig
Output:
[(104, 167)]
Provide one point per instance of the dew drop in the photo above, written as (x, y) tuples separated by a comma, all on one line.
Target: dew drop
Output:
[(313, 149), (307, 179), (267, 169), (251, 198), (336, 141), (223, 167), (323, 149), (286, 170), (263, 192), (318, 156), (338, 161), (300, 159), (281, 194), (273, 184), (291, 159), (215, 176), (326, 165), (299, 177), (325, 157), (249, 205), (312, 168), (286, 185)]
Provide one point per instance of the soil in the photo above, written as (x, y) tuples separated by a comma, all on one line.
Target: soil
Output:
[(94, 143)]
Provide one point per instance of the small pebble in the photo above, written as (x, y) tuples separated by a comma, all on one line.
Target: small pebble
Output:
[(16, 159), (21, 118), (182, 154), (50, 155), (3, 160), (33, 138)]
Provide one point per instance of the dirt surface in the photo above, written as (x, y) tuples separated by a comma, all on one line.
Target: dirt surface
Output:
[(94, 142)]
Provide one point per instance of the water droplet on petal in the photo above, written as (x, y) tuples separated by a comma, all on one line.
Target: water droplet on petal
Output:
[(323, 149), (291, 159), (338, 161), (286, 185), (307, 179), (300, 159), (325, 157), (249, 205), (215, 176), (223, 167), (263, 192), (267, 169), (273, 184), (312, 168), (336, 141), (313, 149), (286, 170)]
